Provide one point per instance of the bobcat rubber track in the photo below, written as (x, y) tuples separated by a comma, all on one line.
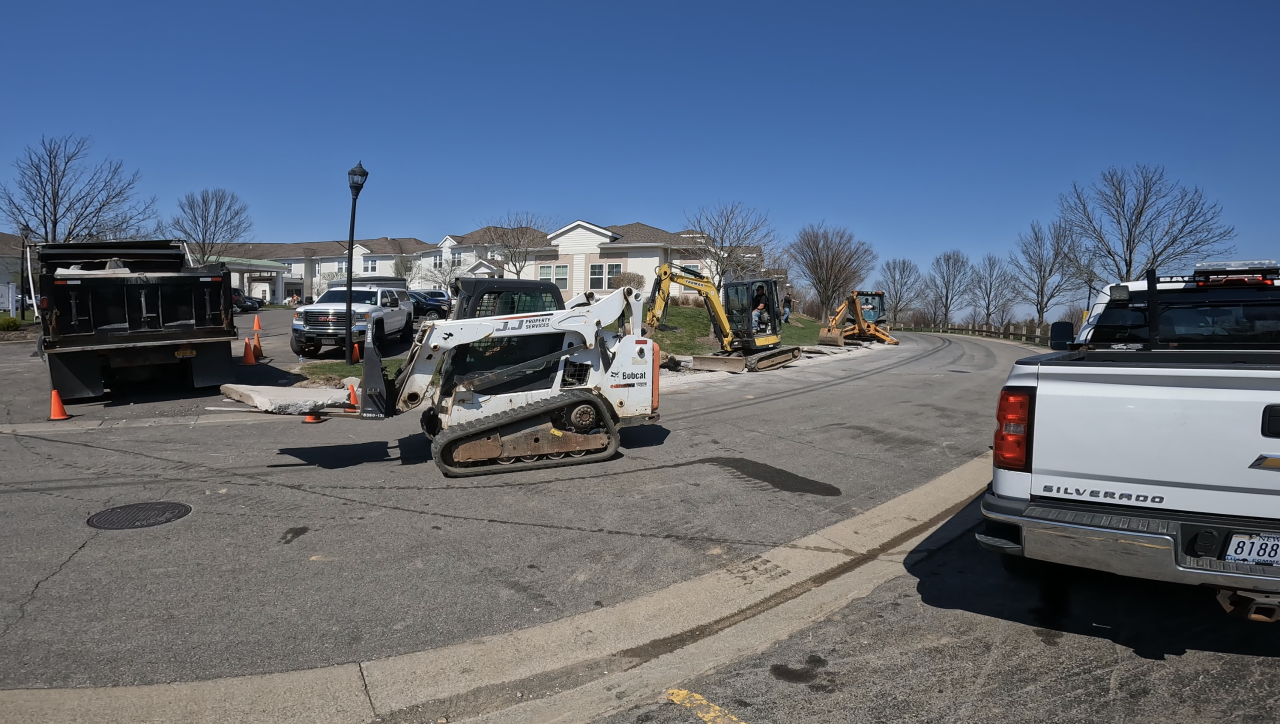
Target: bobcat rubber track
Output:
[(457, 433)]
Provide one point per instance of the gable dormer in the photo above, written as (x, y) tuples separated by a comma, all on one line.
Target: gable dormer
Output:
[(580, 237)]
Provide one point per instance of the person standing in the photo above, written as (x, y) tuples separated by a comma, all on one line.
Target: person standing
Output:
[(786, 309)]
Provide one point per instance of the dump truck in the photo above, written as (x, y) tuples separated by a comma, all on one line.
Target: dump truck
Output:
[(130, 311)]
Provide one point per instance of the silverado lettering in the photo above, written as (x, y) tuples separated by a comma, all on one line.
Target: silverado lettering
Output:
[(1108, 494)]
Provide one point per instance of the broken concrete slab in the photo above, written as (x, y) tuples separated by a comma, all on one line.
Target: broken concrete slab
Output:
[(286, 400)]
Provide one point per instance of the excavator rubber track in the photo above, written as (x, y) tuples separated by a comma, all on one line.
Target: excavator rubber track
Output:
[(776, 357), (447, 441)]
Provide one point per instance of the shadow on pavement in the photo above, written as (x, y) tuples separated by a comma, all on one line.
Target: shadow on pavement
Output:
[(413, 449), (1152, 618), (643, 436)]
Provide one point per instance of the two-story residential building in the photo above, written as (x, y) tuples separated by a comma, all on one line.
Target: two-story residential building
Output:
[(311, 266), (581, 256)]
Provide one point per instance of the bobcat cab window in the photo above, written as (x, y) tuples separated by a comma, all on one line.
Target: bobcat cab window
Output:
[(497, 353), (497, 304)]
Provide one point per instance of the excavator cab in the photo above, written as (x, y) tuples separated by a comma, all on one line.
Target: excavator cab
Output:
[(872, 306), (753, 328)]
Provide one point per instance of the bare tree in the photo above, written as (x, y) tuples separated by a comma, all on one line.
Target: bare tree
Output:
[(831, 261), (1133, 220), (902, 284), (516, 236), (627, 279), (209, 222), (948, 284), (63, 196), (1044, 267), (406, 267), (991, 289), (733, 240), (443, 276)]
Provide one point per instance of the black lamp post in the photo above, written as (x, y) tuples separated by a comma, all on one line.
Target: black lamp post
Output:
[(355, 177), (25, 231)]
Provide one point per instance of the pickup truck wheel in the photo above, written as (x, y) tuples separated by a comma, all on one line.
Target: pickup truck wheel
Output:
[(406, 332)]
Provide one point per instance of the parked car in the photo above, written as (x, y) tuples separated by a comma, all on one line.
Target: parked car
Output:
[(242, 303), (441, 296), (389, 310), (428, 307)]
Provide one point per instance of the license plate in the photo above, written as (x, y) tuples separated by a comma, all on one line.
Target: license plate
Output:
[(185, 353), (1261, 549)]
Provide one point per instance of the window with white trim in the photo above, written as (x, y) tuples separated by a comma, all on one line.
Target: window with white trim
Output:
[(370, 266), (455, 259), (437, 260), (288, 268), (614, 270), (342, 265), (562, 276), (544, 272), (597, 276)]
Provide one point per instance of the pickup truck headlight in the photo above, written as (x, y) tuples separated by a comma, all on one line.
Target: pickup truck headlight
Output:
[(297, 315), (362, 316)]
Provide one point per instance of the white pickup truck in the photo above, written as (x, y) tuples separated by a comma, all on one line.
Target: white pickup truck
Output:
[(1150, 446), (388, 310)]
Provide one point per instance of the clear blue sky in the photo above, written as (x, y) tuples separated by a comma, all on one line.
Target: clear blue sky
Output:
[(922, 126)]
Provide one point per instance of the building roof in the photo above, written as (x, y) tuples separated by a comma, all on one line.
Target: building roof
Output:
[(304, 249), (638, 233), (485, 235)]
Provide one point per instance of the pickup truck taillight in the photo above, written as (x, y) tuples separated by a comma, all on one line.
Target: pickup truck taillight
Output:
[(1012, 447)]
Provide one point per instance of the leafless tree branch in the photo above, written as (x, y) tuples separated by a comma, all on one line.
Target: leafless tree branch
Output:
[(1135, 219), (1044, 266), (991, 289), (209, 222), (733, 239), (64, 197), (831, 261), (948, 284), (902, 284), (516, 235)]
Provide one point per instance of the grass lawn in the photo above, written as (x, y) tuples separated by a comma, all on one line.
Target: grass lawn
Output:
[(334, 372), (694, 322)]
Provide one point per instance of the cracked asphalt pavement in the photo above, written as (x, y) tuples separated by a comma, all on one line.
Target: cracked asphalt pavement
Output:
[(318, 545)]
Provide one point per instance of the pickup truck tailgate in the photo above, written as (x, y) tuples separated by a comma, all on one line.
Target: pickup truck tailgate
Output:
[(1170, 438)]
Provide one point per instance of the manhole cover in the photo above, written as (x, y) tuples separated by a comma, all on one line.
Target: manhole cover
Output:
[(138, 515)]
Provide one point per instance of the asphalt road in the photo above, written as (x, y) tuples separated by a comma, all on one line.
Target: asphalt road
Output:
[(316, 545), (960, 639)]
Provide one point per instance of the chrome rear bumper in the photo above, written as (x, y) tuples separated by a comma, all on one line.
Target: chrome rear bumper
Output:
[(1117, 542)]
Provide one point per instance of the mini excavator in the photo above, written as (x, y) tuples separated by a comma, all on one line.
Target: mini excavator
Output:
[(750, 338), (858, 319)]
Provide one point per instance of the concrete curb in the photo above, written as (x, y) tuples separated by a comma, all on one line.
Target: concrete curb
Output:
[(627, 636)]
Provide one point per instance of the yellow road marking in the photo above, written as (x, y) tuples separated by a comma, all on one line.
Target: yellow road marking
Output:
[(703, 709)]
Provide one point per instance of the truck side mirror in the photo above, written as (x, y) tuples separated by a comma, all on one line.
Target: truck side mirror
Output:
[(1061, 334)]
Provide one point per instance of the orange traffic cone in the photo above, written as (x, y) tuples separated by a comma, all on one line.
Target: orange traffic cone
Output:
[(248, 353), (257, 325), (312, 419), (56, 410), (257, 346), (355, 400), (355, 353)]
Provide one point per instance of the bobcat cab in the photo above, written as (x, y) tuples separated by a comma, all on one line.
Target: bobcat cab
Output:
[(750, 338)]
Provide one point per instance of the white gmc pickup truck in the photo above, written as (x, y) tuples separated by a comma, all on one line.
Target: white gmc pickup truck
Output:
[(1150, 446)]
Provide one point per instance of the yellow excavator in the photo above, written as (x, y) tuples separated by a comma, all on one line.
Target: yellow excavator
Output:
[(859, 319), (750, 338)]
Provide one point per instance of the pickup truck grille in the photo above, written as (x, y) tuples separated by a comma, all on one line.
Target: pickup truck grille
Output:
[(324, 319)]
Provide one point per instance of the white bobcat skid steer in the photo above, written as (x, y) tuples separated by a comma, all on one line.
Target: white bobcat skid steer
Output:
[(525, 391)]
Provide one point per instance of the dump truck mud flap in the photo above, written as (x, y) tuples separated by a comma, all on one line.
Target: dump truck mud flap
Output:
[(75, 374)]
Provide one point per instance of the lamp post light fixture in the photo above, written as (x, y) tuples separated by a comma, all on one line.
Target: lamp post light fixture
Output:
[(25, 231), (356, 178)]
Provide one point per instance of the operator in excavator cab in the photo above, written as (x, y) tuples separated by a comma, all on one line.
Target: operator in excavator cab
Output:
[(759, 309)]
